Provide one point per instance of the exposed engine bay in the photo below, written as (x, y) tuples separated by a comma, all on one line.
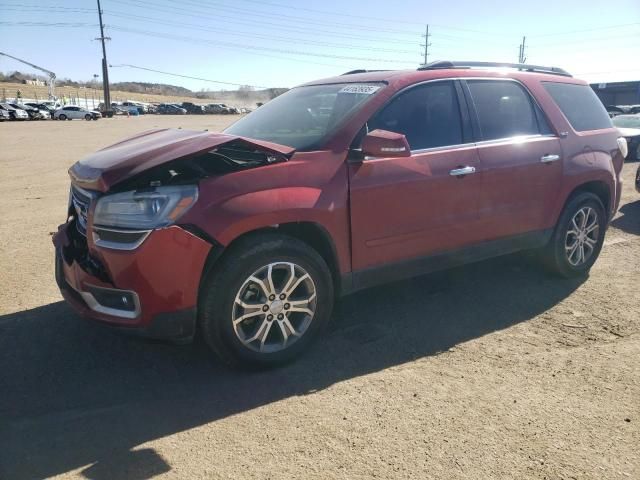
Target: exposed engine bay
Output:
[(220, 160)]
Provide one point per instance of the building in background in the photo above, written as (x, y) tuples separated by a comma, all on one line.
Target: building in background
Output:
[(618, 93)]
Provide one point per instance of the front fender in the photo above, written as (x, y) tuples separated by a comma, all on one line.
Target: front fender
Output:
[(310, 188)]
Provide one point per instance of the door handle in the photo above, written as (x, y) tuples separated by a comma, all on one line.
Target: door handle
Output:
[(460, 172), (549, 158)]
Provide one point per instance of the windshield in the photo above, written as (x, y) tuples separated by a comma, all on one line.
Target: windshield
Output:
[(627, 121), (304, 116)]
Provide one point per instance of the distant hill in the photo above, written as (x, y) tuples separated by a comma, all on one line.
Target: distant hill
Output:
[(152, 88), (144, 91)]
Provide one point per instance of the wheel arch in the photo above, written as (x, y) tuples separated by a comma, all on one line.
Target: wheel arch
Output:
[(599, 188), (312, 234)]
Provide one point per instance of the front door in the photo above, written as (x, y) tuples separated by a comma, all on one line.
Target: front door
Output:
[(410, 207)]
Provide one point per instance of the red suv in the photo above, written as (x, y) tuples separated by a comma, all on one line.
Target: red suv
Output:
[(247, 236)]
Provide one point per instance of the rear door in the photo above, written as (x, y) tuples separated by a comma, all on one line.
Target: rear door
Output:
[(410, 207), (521, 158)]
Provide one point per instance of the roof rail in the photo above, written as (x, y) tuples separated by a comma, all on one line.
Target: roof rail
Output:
[(361, 70), (445, 64)]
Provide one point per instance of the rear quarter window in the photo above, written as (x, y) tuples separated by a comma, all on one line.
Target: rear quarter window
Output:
[(580, 105)]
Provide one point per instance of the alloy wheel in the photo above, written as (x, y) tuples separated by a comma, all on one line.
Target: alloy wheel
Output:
[(274, 307), (582, 236)]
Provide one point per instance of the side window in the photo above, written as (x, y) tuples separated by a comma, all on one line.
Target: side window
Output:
[(580, 105), (428, 115), (504, 109)]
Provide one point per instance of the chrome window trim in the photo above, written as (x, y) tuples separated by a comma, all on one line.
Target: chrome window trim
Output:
[(457, 146), (117, 245), (513, 139)]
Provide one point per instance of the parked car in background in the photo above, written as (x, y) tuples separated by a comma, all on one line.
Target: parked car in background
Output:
[(119, 110), (134, 105), (614, 111), (248, 236), (44, 114), (33, 113), (71, 112), (52, 105), (229, 108), (193, 108), (4, 115), (629, 127), (170, 109), (14, 113), (217, 108), (43, 107)]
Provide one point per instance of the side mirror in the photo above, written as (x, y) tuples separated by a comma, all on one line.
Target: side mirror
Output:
[(382, 143)]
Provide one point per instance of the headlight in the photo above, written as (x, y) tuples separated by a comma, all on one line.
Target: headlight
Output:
[(622, 145), (145, 209)]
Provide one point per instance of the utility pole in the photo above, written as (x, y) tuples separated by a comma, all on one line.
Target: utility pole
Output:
[(105, 71), (426, 45), (521, 57)]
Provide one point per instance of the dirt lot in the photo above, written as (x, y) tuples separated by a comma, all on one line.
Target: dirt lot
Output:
[(494, 370)]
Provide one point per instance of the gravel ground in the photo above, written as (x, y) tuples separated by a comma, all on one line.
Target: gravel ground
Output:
[(494, 370)]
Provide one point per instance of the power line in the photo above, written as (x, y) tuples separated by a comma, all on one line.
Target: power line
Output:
[(342, 14), (302, 20), (587, 30), (561, 43), (255, 23), (47, 10), (188, 76), (253, 35), (326, 12), (252, 47), (48, 24), (578, 49), (42, 7), (93, 25)]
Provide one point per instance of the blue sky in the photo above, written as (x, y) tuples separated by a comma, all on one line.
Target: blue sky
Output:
[(284, 42)]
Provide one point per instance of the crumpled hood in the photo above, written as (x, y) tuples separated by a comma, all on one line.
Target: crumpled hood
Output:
[(120, 161)]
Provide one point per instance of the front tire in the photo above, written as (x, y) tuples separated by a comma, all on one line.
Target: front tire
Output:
[(578, 237), (266, 302), (62, 116)]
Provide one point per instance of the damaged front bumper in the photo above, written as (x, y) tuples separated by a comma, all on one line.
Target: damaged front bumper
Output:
[(150, 291)]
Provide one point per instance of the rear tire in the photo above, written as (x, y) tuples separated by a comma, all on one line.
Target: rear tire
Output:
[(262, 324), (577, 238)]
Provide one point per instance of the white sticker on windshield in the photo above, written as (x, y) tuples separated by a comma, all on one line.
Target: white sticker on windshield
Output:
[(363, 89)]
